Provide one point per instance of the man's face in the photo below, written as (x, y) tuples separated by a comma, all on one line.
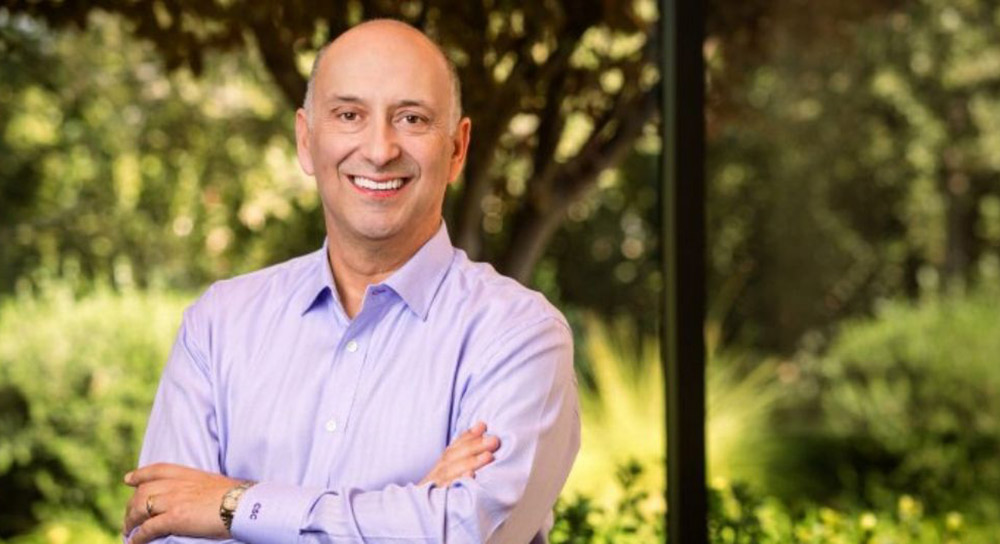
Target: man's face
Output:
[(381, 142)]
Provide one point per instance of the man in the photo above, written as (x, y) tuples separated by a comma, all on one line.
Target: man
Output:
[(339, 396)]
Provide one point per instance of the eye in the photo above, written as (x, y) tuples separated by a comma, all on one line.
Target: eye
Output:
[(413, 119), (348, 116)]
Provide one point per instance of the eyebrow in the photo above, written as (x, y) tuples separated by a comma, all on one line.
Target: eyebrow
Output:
[(347, 98), (404, 103)]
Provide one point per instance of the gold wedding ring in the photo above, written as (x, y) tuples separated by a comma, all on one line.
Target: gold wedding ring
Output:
[(149, 505)]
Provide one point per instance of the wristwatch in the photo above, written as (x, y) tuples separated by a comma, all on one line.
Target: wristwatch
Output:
[(230, 501)]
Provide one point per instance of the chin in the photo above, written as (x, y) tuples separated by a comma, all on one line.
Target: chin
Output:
[(377, 232)]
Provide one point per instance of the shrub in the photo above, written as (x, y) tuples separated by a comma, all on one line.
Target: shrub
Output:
[(737, 515), (69, 527), (623, 414), (913, 397), (77, 378)]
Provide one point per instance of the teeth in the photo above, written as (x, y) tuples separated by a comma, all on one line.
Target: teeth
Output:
[(387, 185)]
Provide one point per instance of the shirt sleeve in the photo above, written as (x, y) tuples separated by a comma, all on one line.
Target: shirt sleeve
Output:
[(526, 393), (182, 426)]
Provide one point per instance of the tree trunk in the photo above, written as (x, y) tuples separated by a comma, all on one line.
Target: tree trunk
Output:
[(960, 221), (528, 241), (468, 216), (958, 197)]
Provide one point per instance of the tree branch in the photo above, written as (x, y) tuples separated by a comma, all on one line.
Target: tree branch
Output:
[(505, 103)]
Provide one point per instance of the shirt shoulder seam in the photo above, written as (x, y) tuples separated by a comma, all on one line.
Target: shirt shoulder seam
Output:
[(495, 347)]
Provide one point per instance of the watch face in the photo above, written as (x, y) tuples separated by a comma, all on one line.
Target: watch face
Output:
[(229, 502), (232, 498)]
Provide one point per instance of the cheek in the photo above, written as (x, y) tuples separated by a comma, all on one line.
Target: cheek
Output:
[(437, 158), (331, 150)]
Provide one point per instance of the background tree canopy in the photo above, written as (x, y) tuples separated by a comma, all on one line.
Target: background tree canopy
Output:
[(853, 232), (561, 181), (530, 71)]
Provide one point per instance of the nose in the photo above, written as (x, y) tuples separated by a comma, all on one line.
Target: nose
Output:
[(380, 147)]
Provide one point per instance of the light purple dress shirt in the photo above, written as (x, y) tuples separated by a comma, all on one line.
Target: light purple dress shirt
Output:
[(338, 419)]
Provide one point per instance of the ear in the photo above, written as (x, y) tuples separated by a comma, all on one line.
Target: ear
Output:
[(460, 148), (302, 143)]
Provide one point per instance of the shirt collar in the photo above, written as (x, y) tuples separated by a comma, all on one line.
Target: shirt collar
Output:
[(416, 282), (320, 279)]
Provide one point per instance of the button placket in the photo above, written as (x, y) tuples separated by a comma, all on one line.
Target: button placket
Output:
[(350, 361), (347, 375)]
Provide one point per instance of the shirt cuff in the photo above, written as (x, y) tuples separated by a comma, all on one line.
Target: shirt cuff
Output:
[(273, 513)]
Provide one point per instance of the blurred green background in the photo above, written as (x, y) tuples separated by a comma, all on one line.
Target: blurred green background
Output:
[(146, 149)]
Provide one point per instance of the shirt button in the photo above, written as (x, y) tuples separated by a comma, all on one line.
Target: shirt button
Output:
[(352, 346), (331, 425)]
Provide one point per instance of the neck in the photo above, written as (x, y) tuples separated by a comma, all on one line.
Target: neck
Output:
[(356, 264)]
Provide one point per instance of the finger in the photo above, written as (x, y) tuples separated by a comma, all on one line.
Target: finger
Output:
[(468, 444), (159, 471), (135, 512), (470, 448), (153, 494), (482, 460), (430, 478), (472, 434), (478, 428), (472, 437), (151, 529), (490, 443), (467, 466), (457, 450), (477, 462)]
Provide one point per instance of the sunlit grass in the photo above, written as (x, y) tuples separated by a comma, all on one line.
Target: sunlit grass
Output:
[(623, 414)]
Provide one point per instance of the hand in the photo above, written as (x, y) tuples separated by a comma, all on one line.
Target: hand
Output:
[(463, 457), (182, 501)]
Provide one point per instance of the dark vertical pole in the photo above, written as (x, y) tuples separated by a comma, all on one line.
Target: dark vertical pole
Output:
[(683, 221)]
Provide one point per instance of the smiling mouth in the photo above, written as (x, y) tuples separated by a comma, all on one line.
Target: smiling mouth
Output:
[(385, 185)]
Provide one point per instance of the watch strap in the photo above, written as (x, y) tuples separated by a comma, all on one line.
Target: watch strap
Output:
[(230, 501)]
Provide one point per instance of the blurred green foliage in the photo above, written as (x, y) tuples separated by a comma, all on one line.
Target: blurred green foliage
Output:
[(119, 171), (911, 399), (859, 170), (116, 172), (68, 527), (740, 515), (77, 379), (77, 376), (897, 414), (622, 408), (839, 173), (737, 516), (611, 233), (853, 202)]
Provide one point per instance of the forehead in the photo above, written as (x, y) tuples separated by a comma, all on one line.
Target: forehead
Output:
[(383, 62)]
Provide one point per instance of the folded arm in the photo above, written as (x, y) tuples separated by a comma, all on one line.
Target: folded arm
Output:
[(172, 498), (524, 388)]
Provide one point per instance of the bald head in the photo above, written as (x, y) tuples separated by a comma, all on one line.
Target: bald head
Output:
[(381, 29)]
